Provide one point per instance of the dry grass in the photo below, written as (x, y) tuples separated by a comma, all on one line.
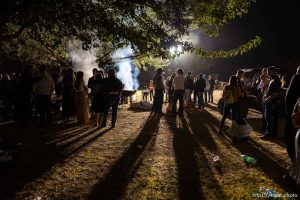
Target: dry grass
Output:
[(131, 162)]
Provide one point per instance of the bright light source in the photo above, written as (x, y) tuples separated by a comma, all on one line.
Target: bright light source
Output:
[(173, 50), (179, 49), (176, 49)]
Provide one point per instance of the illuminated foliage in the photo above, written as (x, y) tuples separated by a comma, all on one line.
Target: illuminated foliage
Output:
[(149, 26)]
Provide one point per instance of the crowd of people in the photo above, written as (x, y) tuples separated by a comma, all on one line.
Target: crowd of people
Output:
[(187, 90), (30, 95), (180, 87)]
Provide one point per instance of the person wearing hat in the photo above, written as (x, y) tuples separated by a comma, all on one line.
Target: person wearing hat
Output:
[(159, 89)]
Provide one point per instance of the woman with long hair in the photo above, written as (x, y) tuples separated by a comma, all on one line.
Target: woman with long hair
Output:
[(231, 95), (81, 100)]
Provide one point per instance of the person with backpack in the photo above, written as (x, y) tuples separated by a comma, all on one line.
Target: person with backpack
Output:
[(231, 94)]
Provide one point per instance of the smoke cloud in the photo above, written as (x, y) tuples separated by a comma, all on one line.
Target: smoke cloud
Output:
[(127, 72), (82, 60)]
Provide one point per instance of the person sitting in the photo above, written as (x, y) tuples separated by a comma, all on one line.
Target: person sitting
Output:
[(231, 94)]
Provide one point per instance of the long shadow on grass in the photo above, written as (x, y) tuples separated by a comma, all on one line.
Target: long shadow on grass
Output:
[(191, 162), (266, 163), (39, 154), (114, 184)]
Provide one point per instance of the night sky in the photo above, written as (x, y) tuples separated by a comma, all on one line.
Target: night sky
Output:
[(275, 21)]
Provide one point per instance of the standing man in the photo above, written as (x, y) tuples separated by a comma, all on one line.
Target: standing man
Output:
[(189, 84), (91, 84), (199, 89), (292, 94), (113, 88), (44, 89), (178, 87), (212, 83), (270, 101), (159, 88), (206, 89)]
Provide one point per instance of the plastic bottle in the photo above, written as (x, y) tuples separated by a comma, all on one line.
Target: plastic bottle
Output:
[(248, 159)]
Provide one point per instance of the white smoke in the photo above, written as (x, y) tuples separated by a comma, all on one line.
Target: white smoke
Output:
[(127, 72), (82, 60)]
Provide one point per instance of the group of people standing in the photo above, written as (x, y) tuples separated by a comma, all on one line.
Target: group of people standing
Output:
[(105, 91), (35, 90), (181, 88), (270, 87)]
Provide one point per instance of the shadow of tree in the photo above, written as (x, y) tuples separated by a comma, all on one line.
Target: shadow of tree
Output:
[(113, 185)]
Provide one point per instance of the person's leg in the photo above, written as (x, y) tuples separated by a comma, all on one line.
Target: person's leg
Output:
[(269, 119), (151, 95), (160, 101), (275, 119), (97, 119), (181, 103), (226, 109), (290, 134), (40, 102), (205, 96), (114, 105), (48, 110), (174, 104), (100, 119)]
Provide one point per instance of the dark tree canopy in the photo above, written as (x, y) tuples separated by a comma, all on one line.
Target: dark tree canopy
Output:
[(39, 30)]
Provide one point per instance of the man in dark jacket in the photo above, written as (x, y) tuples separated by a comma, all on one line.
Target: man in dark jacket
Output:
[(91, 83), (189, 86), (270, 101), (292, 94), (199, 89), (113, 89)]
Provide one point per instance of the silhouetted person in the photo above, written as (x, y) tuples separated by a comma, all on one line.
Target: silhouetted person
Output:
[(212, 84), (189, 84), (199, 89), (113, 88), (159, 91), (68, 106), (270, 101), (44, 89), (292, 94), (91, 85), (24, 96), (179, 88), (170, 89), (206, 89), (99, 103)]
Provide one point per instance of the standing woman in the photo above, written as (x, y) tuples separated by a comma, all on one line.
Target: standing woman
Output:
[(231, 95), (99, 103), (81, 100), (242, 109)]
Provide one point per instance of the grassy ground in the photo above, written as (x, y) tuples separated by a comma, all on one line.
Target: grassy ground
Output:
[(145, 157)]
